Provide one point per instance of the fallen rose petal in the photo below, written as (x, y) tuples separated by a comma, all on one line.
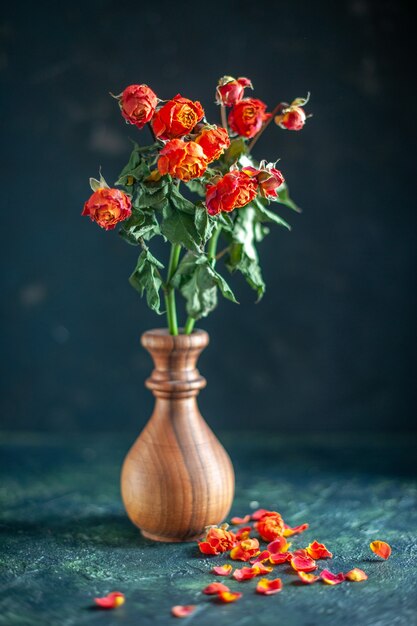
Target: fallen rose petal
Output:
[(111, 601), (318, 551), (245, 550), (269, 587), (229, 596), (263, 556), (280, 558), (245, 573), (262, 569), (278, 545), (308, 579), (356, 575), (215, 588), (303, 563), (332, 579), (243, 533), (183, 610), (381, 549), (256, 515), (301, 552), (222, 570), (240, 520), (289, 532)]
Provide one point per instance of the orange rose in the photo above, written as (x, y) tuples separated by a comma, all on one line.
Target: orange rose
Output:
[(234, 190), (214, 140), (107, 207), (137, 104), (230, 90), (247, 117), (270, 526), (182, 159), (177, 118), (216, 541)]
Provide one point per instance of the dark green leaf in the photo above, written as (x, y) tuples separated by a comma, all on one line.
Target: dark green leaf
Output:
[(196, 185), (146, 278), (203, 222), (234, 151), (264, 215), (179, 227), (284, 198), (137, 168), (180, 202), (139, 225)]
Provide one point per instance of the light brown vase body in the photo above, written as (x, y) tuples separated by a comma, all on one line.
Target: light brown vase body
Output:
[(177, 478)]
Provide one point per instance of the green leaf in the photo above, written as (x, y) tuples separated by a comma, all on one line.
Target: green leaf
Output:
[(284, 198), (234, 151), (222, 285), (196, 185), (264, 215), (203, 222), (180, 202), (137, 167), (179, 228), (146, 278), (140, 225)]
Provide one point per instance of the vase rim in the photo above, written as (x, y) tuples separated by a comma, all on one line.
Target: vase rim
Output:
[(162, 339)]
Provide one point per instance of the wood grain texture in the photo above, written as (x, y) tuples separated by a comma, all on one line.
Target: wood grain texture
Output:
[(177, 478)]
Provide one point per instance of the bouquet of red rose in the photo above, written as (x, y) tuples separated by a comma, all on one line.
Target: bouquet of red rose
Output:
[(216, 164)]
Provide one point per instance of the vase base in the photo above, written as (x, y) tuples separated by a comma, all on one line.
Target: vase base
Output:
[(168, 539)]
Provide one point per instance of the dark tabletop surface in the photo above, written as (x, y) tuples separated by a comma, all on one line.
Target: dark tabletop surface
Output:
[(65, 538)]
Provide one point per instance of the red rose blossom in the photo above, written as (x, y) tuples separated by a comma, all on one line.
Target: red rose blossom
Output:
[(107, 207), (230, 90), (137, 104), (247, 117), (177, 118), (214, 140), (182, 159), (268, 177), (234, 190)]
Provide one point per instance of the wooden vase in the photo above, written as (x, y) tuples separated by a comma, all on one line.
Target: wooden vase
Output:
[(177, 478)]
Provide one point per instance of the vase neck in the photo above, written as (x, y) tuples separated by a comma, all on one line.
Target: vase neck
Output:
[(175, 359)]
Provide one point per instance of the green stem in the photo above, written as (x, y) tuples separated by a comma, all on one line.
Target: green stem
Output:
[(170, 291), (264, 127), (211, 254), (223, 116)]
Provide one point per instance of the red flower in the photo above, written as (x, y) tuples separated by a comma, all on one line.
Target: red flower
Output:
[(138, 104), (216, 541), (182, 159), (234, 190), (107, 207), (230, 90), (247, 117), (270, 526), (292, 117), (177, 118), (245, 550), (214, 141), (268, 177)]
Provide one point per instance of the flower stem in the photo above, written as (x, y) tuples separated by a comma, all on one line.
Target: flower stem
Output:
[(264, 127), (223, 116), (170, 291), (211, 254)]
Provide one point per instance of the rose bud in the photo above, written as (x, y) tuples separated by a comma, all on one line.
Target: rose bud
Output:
[(292, 117), (107, 207), (233, 191), (247, 117), (182, 159), (268, 177), (230, 90), (214, 140), (177, 118), (137, 104)]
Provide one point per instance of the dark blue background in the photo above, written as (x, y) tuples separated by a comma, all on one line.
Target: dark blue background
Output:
[(331, 346)]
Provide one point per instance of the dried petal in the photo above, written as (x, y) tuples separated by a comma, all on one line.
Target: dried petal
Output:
[(308, 579), (217, 540), (214, 588), (280, 558), (222, 570), (262, 569), (263, 556), (332, 579), (183, 610), (229, 596), (318, 551), (269, 587), (256, 515), (240, 520), (243, 533), (278, 545), (356, 575), (111, 601), (245, 550), (289, 532), (303, 563), (381, 549), (245, 573)]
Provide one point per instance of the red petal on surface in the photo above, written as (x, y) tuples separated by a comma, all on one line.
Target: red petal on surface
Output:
[(332, 579), (245, 573), (111, 601), (215, 588), (240, 520), (222, 570), (260, 513), (183, 610), (289, 532), (206, 548), (229, 596), (356, 575), (303, 563), (278, 545), (262, 569), (381, 549), (243, 533), (308, 579), (280, 558), (318, 551), (263, 556), (269, 587)]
